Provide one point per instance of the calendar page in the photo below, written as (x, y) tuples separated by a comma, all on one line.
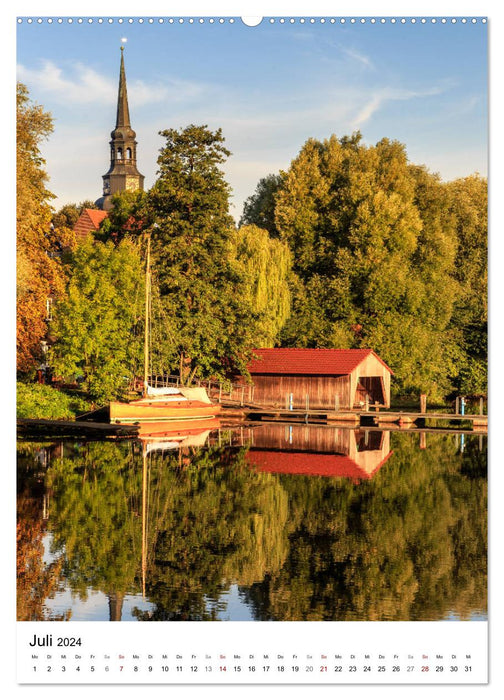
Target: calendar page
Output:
[(252, 402)]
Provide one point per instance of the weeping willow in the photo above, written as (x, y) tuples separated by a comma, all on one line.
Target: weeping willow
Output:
[(163, 349), (267, 263)]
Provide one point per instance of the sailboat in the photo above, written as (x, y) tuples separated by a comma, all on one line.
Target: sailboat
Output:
[(161, 404)]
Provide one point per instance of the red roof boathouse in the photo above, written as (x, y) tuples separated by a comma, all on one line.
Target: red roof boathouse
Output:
[(321, 378)]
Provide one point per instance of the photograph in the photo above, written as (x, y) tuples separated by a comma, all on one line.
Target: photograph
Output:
[(251, 305)]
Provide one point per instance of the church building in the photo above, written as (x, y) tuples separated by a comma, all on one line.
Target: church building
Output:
[(123, 173)]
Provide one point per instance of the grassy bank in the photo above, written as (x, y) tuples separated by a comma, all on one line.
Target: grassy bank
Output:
[(41, 401)]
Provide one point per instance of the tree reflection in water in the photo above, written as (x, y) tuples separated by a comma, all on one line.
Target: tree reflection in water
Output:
[(404, 541)]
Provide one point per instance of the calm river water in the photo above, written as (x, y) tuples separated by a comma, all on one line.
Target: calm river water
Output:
[(274, 522)]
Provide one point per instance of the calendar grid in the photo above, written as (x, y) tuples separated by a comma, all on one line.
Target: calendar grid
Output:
[(210, 653)]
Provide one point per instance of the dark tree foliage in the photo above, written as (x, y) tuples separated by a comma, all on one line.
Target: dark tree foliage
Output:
[(199, 279), (468, 205), (259, 208)]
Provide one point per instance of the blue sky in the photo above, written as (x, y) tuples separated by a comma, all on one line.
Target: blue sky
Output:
[(269, 88)]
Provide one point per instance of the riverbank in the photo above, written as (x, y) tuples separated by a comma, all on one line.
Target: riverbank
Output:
[(40, 401)]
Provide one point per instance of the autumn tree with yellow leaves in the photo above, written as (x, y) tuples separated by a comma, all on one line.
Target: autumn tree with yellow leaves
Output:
[(39, 274)]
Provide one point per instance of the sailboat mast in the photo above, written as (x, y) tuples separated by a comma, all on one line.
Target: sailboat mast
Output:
[(147, 315), (144, 516)]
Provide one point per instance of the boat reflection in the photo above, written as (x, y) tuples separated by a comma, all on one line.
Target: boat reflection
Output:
[(178, 433)]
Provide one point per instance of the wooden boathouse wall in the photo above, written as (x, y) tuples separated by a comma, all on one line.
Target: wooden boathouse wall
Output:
[(322, 392), (374, 377), (319, 379)]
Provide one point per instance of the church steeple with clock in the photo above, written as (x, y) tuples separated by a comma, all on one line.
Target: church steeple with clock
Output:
[(123, 172)]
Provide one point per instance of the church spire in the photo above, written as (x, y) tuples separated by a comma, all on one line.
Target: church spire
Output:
[(123, 173), (123, 117)]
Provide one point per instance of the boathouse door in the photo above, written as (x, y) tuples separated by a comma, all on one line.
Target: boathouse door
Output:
[(373, 388)]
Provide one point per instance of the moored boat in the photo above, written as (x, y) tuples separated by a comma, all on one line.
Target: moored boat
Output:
[(181, 404)]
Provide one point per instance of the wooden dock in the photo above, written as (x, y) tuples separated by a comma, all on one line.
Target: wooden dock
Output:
[(38, 429), (369, 418)]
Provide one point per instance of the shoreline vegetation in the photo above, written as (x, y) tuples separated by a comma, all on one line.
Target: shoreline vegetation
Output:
[(48, 403), (40, 401)]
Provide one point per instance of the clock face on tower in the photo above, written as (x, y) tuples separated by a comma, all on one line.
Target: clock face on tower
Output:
[(132, 183), (106, 187)]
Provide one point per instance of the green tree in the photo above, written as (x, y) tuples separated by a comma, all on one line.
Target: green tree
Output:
[(98, 325), (468, 204), (200, 281), (369, 263), (128, 217), (259, 208), (268, 272)]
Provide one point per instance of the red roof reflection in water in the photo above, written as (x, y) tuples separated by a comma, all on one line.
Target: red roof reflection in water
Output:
[(319, 451), (310, 464)]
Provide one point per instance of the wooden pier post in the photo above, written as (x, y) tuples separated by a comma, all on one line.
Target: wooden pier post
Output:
[(423, 403), (457, 406), (481, 406)]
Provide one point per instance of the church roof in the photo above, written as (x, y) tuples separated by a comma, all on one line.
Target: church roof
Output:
[(88, 221)]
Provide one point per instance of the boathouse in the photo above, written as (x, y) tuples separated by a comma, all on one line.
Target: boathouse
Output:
[(319, 379)]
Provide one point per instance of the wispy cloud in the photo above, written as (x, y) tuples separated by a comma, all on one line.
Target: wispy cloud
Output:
[(379, 97), (83, 85), (86, 85), (359, 57)]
